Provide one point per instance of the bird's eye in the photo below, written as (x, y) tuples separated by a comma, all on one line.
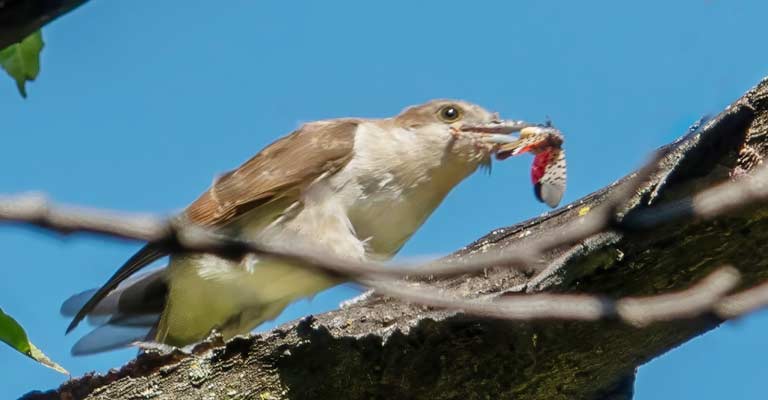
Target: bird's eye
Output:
[(449, 113)]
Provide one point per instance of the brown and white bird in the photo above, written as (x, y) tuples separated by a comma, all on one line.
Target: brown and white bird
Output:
[(358, 188)]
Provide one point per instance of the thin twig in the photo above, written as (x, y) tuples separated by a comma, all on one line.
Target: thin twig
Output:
[(708, 296), (743, 302), (35, 211), (746, 191), (694, 301)]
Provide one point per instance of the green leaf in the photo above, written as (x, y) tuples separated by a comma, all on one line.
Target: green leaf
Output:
[(22, 60), (13, 334)]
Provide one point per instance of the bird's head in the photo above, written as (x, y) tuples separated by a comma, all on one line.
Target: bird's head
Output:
[(468, 134), (467, 131)]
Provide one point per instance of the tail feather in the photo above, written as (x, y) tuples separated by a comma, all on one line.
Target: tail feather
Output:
[(181, 304), (146, 321), (111, 337), (126, 315), (74, 303), (130, 297), (141, 259)]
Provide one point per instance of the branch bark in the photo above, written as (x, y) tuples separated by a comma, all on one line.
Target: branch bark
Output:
[(383, 348), (19, 18)]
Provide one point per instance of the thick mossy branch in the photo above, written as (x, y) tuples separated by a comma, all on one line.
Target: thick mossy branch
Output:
[(381, 348)]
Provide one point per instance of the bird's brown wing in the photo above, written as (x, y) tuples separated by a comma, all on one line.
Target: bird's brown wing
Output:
[(281, 170)]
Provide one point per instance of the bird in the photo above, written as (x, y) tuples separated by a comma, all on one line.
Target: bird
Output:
[(357, 188)]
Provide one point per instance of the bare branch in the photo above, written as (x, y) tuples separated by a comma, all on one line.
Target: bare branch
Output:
[(706, 296), (728, 197), (743, 302), (35, 211), (692, 302)]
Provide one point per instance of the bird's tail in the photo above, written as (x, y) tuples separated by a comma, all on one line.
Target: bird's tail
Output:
[(181, 304), (128, 314)]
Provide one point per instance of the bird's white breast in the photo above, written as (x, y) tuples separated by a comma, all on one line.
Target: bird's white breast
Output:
[(395, 180)]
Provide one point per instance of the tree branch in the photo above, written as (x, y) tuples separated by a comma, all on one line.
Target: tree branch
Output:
[(19, 18)]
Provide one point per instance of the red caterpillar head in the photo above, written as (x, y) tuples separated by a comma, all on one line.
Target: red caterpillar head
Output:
[(548, 172)]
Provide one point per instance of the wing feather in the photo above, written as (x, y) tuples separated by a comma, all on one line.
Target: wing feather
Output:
[(282, 169)]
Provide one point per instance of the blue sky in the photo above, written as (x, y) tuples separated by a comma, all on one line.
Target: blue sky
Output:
[(139, 104)]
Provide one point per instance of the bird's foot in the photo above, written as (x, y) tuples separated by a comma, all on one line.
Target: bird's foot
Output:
[(357, 299), (160, 348)]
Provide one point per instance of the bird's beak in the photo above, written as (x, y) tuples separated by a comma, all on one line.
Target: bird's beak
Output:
[(497, 132), (531, 139)]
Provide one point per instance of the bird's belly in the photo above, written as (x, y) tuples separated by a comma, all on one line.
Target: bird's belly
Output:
[(208, 292), (385, 220)]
